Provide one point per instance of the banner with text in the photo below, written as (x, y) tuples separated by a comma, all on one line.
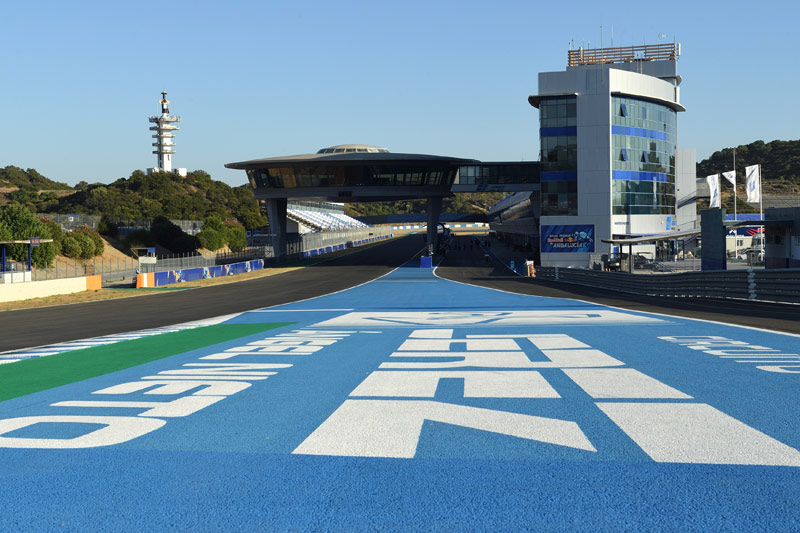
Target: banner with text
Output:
[(567, 239)]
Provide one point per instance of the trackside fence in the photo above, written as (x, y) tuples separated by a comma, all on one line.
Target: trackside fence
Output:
[(306, 245), (778, 285), (109, 269)]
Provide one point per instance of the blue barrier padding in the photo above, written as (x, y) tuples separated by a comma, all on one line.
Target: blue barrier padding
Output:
[(426, 261), (192, 274)]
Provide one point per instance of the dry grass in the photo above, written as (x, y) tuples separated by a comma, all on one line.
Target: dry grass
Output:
[(109, 294)]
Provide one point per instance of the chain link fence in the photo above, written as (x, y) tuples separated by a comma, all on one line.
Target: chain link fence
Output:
[(124, 225), (110, 269), (126, 268)]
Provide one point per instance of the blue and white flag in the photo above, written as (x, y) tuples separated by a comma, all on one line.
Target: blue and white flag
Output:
[(731, 177), (753, 183), (713, 188)]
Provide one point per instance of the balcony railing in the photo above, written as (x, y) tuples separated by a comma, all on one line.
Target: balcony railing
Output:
[(625, 54)]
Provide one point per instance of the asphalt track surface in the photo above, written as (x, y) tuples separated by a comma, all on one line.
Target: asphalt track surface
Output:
[(409, 403), (42, 326), (467, 265), (35, 327)]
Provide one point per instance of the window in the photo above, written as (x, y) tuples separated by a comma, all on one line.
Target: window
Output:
[(623, 110), (623, 154)]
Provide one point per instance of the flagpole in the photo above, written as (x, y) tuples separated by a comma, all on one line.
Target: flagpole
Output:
[(761, 207), (735, 230), (734, 185)]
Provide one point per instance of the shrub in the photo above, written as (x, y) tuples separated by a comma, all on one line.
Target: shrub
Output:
[(98, 244), (71, 245), (211, 239), (88, 249)]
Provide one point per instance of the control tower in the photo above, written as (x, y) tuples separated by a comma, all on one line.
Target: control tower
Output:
[(164, 126)]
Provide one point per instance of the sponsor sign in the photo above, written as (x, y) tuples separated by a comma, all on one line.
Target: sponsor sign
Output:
[(578, 238)]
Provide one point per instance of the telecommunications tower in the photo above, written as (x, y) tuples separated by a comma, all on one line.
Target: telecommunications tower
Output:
[(164, 126)]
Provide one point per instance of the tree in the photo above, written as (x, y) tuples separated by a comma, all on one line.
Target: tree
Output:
[(56, 233), (213, 235), (236, 236), (170, 236), (23, 224)]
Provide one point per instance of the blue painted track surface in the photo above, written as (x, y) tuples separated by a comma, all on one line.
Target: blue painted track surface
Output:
[(414, 403)]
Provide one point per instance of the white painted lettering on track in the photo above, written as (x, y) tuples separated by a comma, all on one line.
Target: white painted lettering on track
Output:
[(494, 318), (369, 424)]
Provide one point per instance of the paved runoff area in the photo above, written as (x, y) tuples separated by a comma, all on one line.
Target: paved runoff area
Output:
[(407, 403)]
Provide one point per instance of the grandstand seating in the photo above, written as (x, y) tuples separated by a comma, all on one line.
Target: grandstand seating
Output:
[(320, 221)]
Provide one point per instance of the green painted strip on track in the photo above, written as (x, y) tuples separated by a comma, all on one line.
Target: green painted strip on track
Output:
[(42, 373)]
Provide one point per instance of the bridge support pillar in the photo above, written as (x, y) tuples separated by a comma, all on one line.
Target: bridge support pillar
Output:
[(276, 213), (434, 208)]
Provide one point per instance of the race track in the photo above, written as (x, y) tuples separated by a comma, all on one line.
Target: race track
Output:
[(409, 402)]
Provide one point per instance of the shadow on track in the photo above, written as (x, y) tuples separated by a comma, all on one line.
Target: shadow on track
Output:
[(36, 327), (468, 265)]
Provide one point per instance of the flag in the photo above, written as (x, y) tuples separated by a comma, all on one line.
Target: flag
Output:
[(731, 177), (713, 189), (753, 183)]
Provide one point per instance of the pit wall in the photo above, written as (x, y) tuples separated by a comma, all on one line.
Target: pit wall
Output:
[(167, 277), (13, 292)]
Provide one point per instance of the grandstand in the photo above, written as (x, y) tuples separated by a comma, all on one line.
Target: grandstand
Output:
[(317, 215), (321, 221)]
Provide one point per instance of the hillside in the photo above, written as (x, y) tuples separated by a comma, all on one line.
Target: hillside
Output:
[(194, 197), (459, 203), (12, 177), (197, 195), (780, 171)]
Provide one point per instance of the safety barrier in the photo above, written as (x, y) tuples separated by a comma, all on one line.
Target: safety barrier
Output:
[(13, 292), (313, 252), (481, 225), (778, 285), (167, 277)]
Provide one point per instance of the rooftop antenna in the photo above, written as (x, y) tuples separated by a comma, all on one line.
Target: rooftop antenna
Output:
[(612, 36)]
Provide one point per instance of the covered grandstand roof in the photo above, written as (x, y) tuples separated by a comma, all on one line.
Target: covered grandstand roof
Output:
[(351, 148), (348, 158)]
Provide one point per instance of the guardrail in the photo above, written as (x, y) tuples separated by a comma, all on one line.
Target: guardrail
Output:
[(778, 285)]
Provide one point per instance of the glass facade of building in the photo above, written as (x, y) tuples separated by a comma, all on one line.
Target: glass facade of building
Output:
[(643, 157), (559, 144), (353, 175), (498, 173)]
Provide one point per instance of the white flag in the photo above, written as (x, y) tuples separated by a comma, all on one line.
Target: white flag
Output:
[(753, 183), (731, 177), (713, 188)]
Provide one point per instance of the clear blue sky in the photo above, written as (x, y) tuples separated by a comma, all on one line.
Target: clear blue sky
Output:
[(260, 79)]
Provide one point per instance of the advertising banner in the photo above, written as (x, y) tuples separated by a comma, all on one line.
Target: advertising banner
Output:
[(567, 239)]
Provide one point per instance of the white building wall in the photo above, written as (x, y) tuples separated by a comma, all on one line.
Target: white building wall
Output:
[(686, 186), (594, 85)]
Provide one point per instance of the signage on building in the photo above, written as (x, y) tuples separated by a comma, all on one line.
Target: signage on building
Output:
[(567, 239)]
